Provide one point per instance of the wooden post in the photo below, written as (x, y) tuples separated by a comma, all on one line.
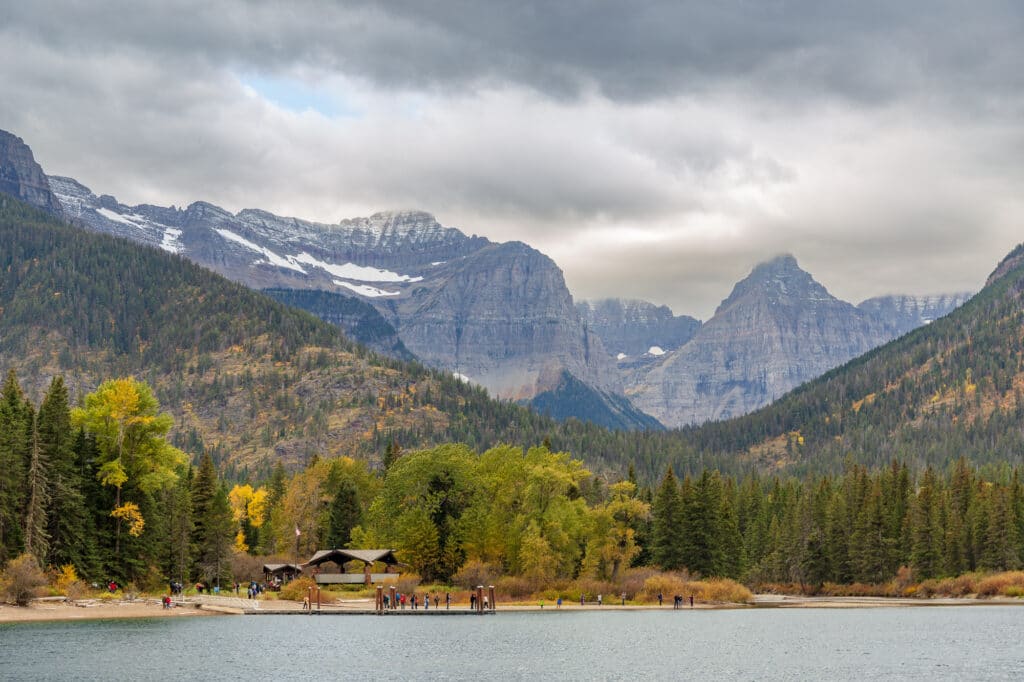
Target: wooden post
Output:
[(367, 579), (490, 590), (309, 600), (394, 593), (380, 600), (480, 599), (317, 597)]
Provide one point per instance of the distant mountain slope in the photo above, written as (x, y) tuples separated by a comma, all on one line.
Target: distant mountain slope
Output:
[(631, 327), (950, 389), (901, 314), (777, 329), (497, 313), (360, 321)]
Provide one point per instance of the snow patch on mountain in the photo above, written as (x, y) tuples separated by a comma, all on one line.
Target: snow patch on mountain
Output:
[(364, 290), (271, 257), (170, 241), (352, 271), (656, 351), (118, 218)]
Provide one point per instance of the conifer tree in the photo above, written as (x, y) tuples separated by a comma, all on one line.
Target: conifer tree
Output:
[(37, 539), (926, 552), (204, 489), (345, 514), (15, 427), (68, 528), (219, 528), (666, 513)]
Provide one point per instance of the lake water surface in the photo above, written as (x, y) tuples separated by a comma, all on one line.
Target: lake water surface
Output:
[(965, 643)]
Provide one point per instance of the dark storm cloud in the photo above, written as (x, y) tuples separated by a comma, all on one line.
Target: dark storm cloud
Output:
[(870, 50)]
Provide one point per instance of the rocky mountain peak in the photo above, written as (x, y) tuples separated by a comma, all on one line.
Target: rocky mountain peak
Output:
[(779, 280), (21, 176)]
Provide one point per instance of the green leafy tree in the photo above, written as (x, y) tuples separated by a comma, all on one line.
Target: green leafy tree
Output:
[(123, 417)]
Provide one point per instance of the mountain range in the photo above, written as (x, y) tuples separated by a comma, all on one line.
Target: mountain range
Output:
[(253, 381), (499, 315)]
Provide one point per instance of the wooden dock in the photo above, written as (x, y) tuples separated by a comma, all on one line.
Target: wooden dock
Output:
[(365, 612)]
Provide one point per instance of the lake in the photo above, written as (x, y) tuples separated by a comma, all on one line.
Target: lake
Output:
[(970, 643)]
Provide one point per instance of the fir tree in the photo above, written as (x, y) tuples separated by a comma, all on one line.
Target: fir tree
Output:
[(37, 539), (15, 427), (345, 514), (666, 513)]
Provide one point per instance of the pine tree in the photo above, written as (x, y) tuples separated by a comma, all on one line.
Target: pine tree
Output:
[(15, 427), (70, 536), (666, 513), (219, 529), (701, 540), (345, 514), (204, 489), (37, 539), (926, 551)]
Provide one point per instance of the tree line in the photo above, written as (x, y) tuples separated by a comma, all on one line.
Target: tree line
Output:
[(100, 487)]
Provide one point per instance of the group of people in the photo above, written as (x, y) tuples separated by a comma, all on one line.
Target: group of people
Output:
[(472, 601), (677, 601), (254, 590), (416, 601)]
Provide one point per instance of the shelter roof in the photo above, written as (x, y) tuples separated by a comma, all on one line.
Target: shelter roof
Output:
[(281, 568), (341, 556)]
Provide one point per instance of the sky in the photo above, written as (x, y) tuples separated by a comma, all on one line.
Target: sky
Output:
[(654, 150)]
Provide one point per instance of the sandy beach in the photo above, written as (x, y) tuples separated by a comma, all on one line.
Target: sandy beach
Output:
[(54, 610), (48, 610)]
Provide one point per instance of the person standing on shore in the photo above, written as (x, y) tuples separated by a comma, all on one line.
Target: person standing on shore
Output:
[(599, 600), (447, 600), (581, 599), (659, 599), (691, 601), (558, 604)]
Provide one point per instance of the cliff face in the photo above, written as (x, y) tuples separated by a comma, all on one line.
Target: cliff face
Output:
[(631, 328), (776, 330), (21, 176), (505, 319)]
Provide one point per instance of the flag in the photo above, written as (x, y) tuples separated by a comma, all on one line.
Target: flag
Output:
[(297, 531)]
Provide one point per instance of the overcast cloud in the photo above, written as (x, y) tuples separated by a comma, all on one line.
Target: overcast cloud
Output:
[(654, 149)]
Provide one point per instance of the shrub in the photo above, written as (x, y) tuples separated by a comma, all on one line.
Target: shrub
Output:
[(999, 583), (21, 580), (509, 587), (475, 572), (407, 582), (666, 584), (722, 590), (297, 590)]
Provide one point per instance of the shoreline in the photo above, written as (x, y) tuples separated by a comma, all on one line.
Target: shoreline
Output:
[(56, 611)]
